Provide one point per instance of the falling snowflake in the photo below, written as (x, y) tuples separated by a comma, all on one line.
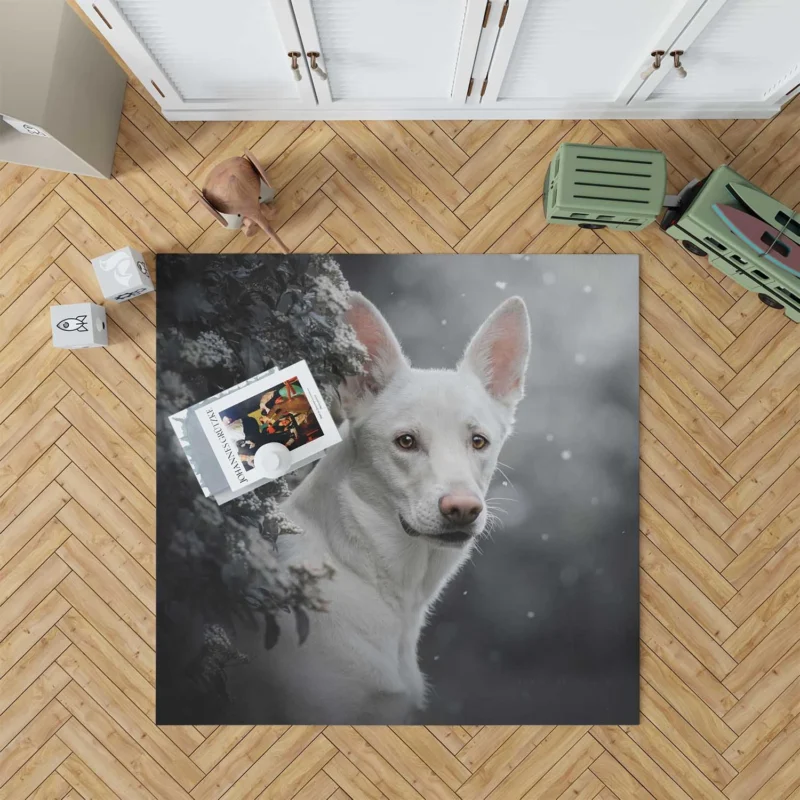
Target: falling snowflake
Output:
[(436, 658), (548, 279), (465, 591), (595, 501), (444, 322), (580, 358), (566, 455), (505, 483), (545, 537), (500, 284), (549, 437), (587, 289), (463, 294), (531, 614)]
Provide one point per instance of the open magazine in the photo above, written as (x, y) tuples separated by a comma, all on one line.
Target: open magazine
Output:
[(256, 431)]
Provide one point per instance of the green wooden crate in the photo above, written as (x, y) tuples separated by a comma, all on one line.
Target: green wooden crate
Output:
[(605, 187), (697, 226)]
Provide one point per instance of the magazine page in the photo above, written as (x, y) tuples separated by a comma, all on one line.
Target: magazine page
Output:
[(285, 408), (196, 446)]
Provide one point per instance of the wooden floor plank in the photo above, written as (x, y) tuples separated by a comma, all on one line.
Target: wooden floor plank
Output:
[(760, 586), (225, 774), (144, 189), (109, 588), (35, 735), (502, 180), (124, 567), (681, 554), (405, 213), (300, 152), (504, 202), (700, 754), (114, 521), (30, 266), (31, 629), (90, 605), (437, 143), (85, 783), (476, 133), (31, 230), (426, 168), (153, 161), (25, 199), (12, 176), (108, 771), (159, 131), (108, 660), (120, 744), (769, 614)]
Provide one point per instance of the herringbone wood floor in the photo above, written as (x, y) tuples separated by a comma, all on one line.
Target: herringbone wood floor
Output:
[(720, 471)]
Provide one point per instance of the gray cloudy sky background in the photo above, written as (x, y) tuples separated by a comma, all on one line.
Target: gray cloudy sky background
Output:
[(542, 626)]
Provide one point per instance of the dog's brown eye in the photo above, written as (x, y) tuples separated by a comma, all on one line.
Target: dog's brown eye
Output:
[(406, 441), (479, 442)]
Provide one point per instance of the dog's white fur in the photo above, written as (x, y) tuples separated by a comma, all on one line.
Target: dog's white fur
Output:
[(359, 663)]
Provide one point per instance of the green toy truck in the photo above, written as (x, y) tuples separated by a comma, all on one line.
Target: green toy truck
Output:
[(621, 188)]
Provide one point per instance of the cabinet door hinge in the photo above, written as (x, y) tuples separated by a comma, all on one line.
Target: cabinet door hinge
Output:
[(469, 88), (486, 13), (483, 88), (503, 15)]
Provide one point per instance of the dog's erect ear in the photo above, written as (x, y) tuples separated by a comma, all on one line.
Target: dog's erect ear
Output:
[(498, 353), (384, 356)]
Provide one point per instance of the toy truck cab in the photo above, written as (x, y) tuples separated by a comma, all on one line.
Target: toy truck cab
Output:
[(702, 232)]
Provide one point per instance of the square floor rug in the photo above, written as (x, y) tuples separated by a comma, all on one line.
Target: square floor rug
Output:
[(468, 553)]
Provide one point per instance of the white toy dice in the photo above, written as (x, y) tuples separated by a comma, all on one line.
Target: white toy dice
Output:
[(78, 325), (122, 274)]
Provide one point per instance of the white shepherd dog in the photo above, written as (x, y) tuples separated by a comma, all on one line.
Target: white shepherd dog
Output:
[(395, 509)]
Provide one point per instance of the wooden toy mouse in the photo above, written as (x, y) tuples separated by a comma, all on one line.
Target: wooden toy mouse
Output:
[(234, 192)]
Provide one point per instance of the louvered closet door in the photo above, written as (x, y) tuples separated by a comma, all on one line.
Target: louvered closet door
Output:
[(557, 53), (208, 53), (383, 53), (748, 52)]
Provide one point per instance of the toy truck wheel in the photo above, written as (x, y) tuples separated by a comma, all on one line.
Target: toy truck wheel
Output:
[(693, 248), (592, 226), (769, 301)]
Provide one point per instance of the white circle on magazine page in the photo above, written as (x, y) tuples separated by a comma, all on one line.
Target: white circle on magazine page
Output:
[(273, 459)]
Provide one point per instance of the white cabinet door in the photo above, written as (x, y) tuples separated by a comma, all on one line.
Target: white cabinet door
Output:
[(409, 54), (206, 53), (735, 52), (562, 54)]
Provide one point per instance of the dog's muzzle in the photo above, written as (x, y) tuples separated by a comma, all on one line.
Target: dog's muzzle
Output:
[(450, 538)]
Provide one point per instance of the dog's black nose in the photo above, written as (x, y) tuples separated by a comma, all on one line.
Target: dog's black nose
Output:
[(460, 509)]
